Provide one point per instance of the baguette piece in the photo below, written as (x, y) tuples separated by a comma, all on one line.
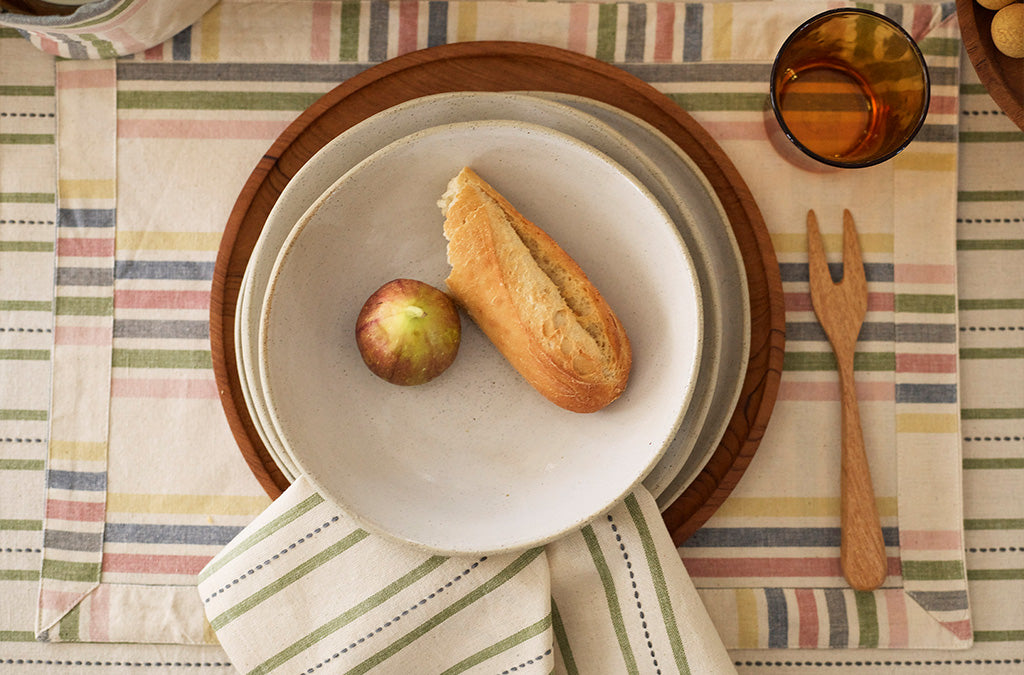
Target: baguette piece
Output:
[(531, 299)]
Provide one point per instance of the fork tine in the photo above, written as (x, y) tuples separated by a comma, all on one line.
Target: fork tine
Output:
[(817, 265), (853, 261)]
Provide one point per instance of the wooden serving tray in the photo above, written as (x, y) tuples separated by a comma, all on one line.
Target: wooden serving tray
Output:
[(511, 66), (1002, 75)]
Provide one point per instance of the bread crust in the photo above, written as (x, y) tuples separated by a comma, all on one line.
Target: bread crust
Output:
[(532, 300)]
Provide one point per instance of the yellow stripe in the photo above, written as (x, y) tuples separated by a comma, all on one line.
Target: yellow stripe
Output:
[(793, 507), (223, 505), (746, 619), (167, 241), (926, 423), (78, 450), (789, 242), (926, 161), (465, 30), (87, 188), (721, 26), (209, 34)]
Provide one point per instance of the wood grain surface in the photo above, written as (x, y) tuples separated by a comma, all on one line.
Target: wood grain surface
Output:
[(1002, 75), (509, 66)]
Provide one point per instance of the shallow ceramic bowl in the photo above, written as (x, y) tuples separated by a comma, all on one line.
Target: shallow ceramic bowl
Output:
[(475, 461)]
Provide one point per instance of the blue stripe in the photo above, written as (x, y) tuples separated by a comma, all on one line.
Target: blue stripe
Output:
[(85, 217), (437, 24), (926, 393), (378, 33), (811, 331), (723, 537), (693, 32), (85, 276), (877, 272), (136, 533), (636, 38), (778, 617), (181, 45), (838, 626), (77, 480), (163, 269)]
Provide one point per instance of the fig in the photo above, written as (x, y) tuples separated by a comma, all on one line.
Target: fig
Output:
[(408, 332)]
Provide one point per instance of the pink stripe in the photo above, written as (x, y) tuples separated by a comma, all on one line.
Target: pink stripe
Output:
[(162, 299), (226, 129), (124, 42), (807, 608), (163, 388), (155, 53), (922, 22), (50, 599), (408, 28), (85, 247), (664, 32), (926, 363), (930, 540), (736, 131), (896, 606), (961, 629), (51, 47), (829, 391), (82, 335), (772, 567), (62, 509), (925, 274), (320, 43), (877, 302), (99, 614), (86, 79), (154, 564), (944, 105), (579, 19)]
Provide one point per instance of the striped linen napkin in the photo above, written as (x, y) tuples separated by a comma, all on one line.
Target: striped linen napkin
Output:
[(304, 589)]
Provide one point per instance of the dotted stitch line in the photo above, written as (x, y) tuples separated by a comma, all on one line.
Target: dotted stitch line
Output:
[(995, 549), (266, 563), (636, 593), (22, 440), (987, 221), (26, 222), (530, 662), (991, 328), (983, 112), (930, 662), (22, 550), (993, 438), (387, 624), (25, 330), (135, 664), (23, 114)]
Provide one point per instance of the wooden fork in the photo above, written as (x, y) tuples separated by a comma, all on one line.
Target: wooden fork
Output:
[(841, 308)]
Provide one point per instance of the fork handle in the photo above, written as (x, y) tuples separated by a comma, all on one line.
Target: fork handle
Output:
[(862, 550)]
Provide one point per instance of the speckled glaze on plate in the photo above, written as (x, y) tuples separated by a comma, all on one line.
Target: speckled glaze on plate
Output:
[(475, 460)]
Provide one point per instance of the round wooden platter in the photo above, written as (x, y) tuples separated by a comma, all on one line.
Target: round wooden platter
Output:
[(1002, 75), (510, 66)]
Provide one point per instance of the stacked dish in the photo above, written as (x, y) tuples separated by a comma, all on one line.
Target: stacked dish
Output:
[(360, 212)]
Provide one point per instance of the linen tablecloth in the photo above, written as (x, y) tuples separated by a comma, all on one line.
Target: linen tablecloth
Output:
[(153, 149)]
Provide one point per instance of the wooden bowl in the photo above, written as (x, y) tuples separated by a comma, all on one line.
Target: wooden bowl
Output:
[(1002, 75)]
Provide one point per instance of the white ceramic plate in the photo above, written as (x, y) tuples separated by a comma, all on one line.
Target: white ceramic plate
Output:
[(723, 282), (476, 460), (361, 140)]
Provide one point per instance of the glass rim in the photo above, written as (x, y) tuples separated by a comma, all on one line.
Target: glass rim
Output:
[(911, 134)]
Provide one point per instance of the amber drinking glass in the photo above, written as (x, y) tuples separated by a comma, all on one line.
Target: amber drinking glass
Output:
[(850, 88)]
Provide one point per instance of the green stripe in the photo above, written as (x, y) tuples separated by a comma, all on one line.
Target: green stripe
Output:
[(863, 361), (607, 20), (24, 354), (995, 463), (867, 618), (991, 136), (514, 568), (990, 244), (511, 641), (614, 610), (68, 626), (348, 50), (347, 617), (660, 585), (17, 636), (562, 638), (215, 100), (11, 414), (940, 46), (994, 523), (22, 524), (162, 358), (6, 32), (19, 575), (26, 305), (933, 570), (26, 198), (291, 577), (992, 303), (83, 306), (999, 636), (104, 48), (65, 570), (720, 102), (259, 535), (27, 139), (992, 413), (925, 303), (973, 89), (103, 18), (995, 575), (22, 464), (990, 195), (992, 353), (26, 246), (26, 90)]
